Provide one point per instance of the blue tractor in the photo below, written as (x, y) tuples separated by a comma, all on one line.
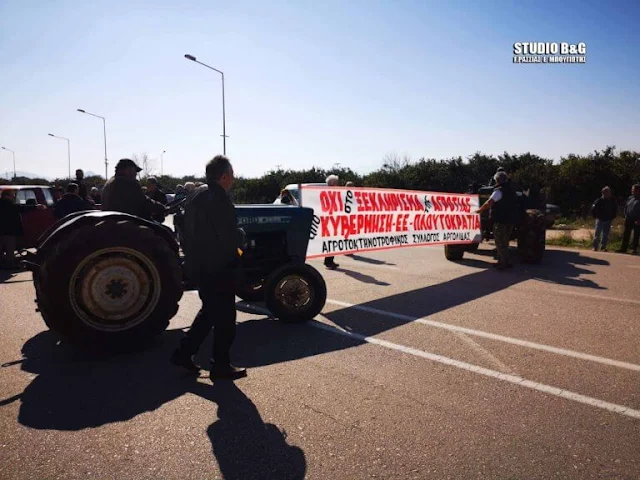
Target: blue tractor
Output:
[(112, 280)]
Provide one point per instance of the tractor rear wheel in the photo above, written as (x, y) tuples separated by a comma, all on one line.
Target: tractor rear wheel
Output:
[(113, 285), (295, 293), (454, 252), (532, 236)]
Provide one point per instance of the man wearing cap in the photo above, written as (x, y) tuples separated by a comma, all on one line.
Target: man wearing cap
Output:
[(503, 205), (122, 193)]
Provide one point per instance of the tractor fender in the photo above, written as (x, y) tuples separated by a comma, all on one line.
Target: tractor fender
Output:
[(80, 219)]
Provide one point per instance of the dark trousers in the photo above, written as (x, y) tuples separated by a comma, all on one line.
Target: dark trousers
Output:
[(218, 312), (630, 226), (329, 260), (502, 236)]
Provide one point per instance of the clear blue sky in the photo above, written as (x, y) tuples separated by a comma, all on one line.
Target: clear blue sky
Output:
[(310, 83)]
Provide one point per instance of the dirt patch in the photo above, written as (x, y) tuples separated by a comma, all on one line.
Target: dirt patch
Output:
[(577, 234)]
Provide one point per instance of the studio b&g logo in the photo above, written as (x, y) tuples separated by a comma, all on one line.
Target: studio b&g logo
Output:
[(549, 52)]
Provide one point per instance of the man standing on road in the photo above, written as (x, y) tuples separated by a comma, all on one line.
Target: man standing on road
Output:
[(632, 221), (122, 193), (604, 211), (329, 262), (211, 244), (503, 205), (10, 228)]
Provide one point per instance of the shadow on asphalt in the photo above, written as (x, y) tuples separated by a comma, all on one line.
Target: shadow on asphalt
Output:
[(361, 277), (372, 261), (6, 275), (559, 268), (74, 391)]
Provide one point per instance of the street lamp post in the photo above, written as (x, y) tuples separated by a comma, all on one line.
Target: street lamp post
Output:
[(68, 150), (162, 163), (14, 161), (104, 126), (224, 133)]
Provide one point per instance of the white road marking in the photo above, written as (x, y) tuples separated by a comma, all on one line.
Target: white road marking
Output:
[(600, 297), (490, 357), (514, 379), (493, 336)]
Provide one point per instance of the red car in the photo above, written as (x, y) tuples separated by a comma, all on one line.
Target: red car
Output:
[(36, 206)]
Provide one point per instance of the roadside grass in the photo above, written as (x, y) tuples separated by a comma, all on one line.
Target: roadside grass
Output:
[(613, 243), (573, 223)]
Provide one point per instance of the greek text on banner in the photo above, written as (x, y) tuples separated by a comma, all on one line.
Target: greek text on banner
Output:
[(349, 220)]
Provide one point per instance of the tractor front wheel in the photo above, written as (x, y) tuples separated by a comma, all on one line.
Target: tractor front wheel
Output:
[(295, 293), (454, 252)]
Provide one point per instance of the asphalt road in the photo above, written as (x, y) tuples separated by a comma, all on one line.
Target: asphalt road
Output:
[(418, 368)]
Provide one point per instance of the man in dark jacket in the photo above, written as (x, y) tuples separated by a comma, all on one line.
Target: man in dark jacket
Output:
[(330, 262), (503, 203), (82, 188), (95, 196), (70, 203), (631, 221), (211, 246), (123, 193), (10, 228), (604, 211), (155, 193)]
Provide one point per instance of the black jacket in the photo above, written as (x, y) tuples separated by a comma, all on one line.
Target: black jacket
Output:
[(70, 203), (632, 208), (604, 209), (160, 197), (211, 238), (506, 210), (122, 194), (10, 219), (82, 189)]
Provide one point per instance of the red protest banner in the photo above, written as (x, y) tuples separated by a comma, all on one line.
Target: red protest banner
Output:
[(349, 220)]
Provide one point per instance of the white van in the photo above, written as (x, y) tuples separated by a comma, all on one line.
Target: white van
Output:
[(294, 189)]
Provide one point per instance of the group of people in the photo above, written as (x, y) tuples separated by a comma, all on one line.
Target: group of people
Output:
[(504, 212), (211, 242), (75, 197), (605, 209)]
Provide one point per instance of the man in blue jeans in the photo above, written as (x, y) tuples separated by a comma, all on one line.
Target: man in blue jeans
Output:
[(604, 211)]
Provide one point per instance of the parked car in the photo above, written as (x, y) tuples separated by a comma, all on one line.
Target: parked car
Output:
[(36, 207)]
